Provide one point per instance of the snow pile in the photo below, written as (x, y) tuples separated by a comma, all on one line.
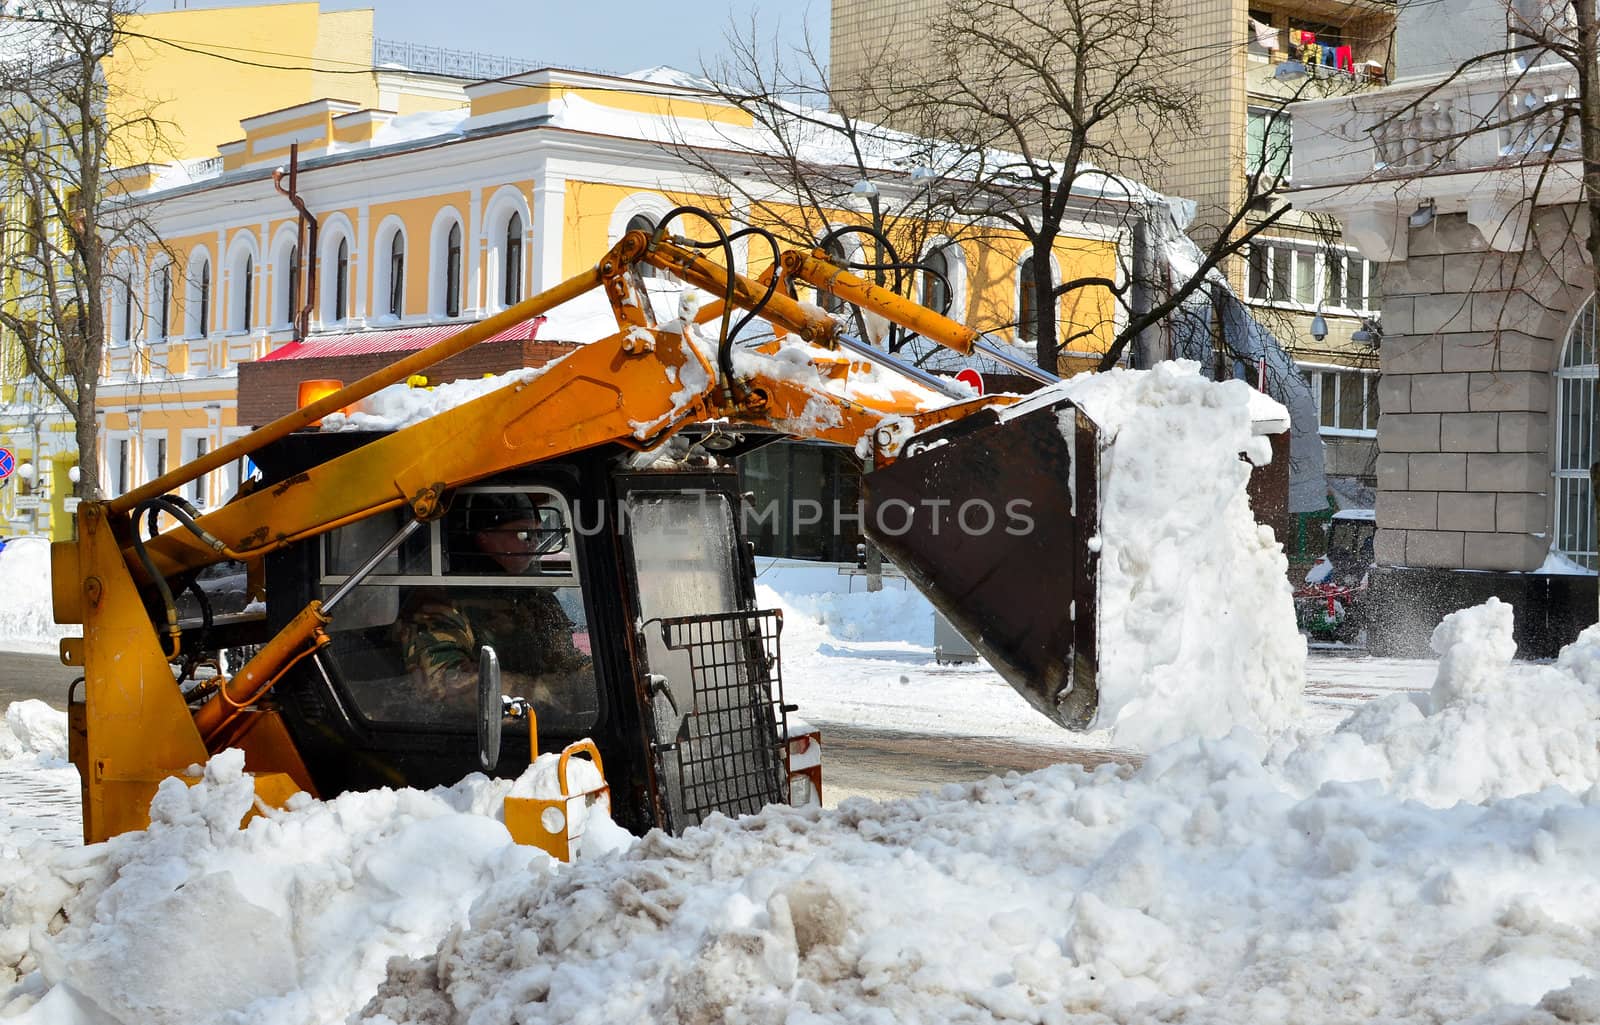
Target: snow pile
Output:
[(1196, 629), (1205, 887), (27, 622), (1488, 729), (819, 620), (33, 732), (401, 405), (291, 919), (1221, 882)]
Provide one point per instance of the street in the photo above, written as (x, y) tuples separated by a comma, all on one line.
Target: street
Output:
[(884, 764), (25, 675)]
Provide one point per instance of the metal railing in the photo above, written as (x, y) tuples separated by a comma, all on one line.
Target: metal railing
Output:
[(440, 60)]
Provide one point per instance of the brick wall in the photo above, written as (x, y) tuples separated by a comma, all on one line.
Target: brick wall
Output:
[(269, 389)]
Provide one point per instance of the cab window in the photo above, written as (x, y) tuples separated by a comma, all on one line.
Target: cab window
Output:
[(497, 569)]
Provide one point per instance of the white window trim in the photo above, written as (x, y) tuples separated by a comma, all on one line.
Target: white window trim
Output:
[(506, 201), (283, 242), (1561, 476), (108, 474), (338, 229), (1319, 254), (1271, 113), (152, 331), (241, 249), (148, 446), (188, 439), (199, 258), (231, 471), (1317, 370), (956, 259), (438, 255), (388, 228)]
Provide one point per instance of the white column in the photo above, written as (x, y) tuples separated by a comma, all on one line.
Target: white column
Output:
[(472, 301), (549, 224), (358, 260)]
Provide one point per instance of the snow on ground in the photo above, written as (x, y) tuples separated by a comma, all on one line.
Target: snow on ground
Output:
[(1430, 860), (26, 620)]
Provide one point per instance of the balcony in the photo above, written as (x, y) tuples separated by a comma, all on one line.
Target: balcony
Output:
[(1473, 144)]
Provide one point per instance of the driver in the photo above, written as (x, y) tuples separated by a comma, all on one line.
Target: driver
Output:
[(440, 633)]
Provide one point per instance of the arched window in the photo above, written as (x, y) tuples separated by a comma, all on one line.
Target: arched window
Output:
[(341, 281), (1027, 308), (248, 285), (934, 292), (122, 310), (1575, 438), (163, 317), (397, 274), (291, 291), (834, 249), (511, 266), (642, 222), (452, 272), (197, 297)]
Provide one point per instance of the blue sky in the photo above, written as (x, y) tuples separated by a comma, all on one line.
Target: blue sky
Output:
[(604, 35)]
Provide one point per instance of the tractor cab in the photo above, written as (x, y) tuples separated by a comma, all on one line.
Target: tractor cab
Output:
[(619, 605)]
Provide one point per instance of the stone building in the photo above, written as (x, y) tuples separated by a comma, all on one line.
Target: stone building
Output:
[(1488, 353)]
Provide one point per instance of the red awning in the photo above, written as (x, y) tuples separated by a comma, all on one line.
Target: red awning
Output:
[(361, 343)]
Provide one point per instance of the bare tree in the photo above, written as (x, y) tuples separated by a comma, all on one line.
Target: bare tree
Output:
[(59, 143), (809, 168), (1063, 104)]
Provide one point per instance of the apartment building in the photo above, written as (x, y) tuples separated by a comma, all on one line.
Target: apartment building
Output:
[(1246, 59)]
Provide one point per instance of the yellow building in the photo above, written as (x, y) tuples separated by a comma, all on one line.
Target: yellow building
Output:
[(197, 73), (432, 219)]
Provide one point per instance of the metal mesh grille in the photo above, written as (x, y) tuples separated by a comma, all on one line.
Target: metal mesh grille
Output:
[(729, 750), (1575, 440)]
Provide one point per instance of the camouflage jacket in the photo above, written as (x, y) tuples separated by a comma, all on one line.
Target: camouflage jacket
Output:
[(440, 638)]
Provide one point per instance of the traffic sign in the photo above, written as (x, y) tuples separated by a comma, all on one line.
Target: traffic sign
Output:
[(8, 463), (971, 377)]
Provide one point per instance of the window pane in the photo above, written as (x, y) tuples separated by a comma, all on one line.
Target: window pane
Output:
[(1257, 285), (1267, 142), (1372, 402), (1255, 140), (1280, 274), (1279, 142), (1330, 399), (1305, 280), (1356, 294), (1333, 294), (1350, 394)]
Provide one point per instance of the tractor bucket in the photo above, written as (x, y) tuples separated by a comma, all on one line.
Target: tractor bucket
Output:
[(992, 517)]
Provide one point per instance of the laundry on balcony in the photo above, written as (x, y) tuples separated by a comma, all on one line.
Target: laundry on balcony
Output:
[(1266, 35)]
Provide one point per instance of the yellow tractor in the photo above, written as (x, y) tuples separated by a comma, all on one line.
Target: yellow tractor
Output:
[(563, 556)]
